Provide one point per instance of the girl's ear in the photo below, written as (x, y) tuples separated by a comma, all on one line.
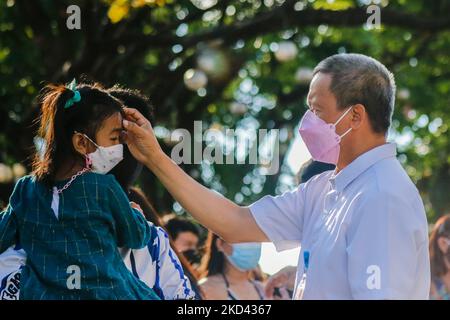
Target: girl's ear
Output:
[(80, 144)]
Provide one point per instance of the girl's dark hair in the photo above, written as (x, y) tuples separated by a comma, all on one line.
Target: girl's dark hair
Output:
[(128, 170), (134, 99), (57, 124), (437, 257), (213, 262)]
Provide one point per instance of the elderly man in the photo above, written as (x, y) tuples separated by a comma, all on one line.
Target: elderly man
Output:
[(361, 227)]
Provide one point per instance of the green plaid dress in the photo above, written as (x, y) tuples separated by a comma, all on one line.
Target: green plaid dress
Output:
[(94, 218)]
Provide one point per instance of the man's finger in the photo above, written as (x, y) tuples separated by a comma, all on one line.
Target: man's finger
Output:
[(134, 115), (132, 127)]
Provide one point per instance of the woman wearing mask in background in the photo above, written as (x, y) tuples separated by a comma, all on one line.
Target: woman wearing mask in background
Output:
[(185, 235), (440, 259), (228, 268)]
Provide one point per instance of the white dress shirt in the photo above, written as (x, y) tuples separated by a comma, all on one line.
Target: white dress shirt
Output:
[(365, 230)]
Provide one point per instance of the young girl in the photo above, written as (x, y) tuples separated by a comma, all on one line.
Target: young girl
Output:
[(69, 216)]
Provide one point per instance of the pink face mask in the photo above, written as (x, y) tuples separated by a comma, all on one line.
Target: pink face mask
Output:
[(321, 138)]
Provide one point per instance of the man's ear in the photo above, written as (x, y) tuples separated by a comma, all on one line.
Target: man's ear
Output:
[(80, 143), (359, 115)]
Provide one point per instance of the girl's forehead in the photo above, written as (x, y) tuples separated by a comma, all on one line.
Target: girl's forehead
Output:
[(114, 121), (116, 117)]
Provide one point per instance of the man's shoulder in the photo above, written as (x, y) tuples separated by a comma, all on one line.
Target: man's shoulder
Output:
[(388, 187), (318, 181), (392, 180)]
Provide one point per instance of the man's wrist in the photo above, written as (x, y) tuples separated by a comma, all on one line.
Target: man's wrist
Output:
[(153, 162)]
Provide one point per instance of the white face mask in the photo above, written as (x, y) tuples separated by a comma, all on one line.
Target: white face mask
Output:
[(105, 158)]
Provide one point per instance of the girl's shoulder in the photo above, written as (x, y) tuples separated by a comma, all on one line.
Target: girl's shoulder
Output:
[(24, 187), (104, 185), (106, 180), (25, 181), (29, 186)]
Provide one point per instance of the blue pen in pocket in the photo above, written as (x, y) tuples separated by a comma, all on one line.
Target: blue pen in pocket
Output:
[(301, 286)]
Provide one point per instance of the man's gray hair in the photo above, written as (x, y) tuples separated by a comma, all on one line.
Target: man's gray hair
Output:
[(356, 78)]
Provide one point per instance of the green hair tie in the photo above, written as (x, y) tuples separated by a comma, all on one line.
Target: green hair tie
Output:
[(76, 94)]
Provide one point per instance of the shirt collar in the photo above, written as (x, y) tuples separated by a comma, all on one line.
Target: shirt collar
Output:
[(361, 164)]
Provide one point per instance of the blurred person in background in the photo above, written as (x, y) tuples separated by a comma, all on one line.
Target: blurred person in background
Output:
[(440, 259), (228, 269), (312, 168), (185, 235)]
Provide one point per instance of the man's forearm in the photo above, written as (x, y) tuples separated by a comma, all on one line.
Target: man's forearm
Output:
[(225, 218)]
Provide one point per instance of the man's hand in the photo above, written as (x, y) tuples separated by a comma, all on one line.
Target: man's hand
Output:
[(140, 137), (285, 278)]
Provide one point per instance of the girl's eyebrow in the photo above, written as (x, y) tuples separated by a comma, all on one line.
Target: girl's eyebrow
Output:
[(116, 130)]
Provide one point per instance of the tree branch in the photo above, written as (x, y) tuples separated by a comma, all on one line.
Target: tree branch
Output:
[(285, 17)]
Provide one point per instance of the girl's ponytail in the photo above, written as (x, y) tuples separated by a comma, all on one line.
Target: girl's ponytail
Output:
[(53, 99)]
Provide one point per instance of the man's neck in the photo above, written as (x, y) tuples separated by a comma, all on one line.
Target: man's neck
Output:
[(349, 154)]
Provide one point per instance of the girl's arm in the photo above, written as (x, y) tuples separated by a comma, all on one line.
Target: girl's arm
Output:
[(8, 224), (8, 228), (132, 230)]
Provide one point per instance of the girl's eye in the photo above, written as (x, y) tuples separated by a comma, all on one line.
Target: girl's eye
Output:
[(115, 139)]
